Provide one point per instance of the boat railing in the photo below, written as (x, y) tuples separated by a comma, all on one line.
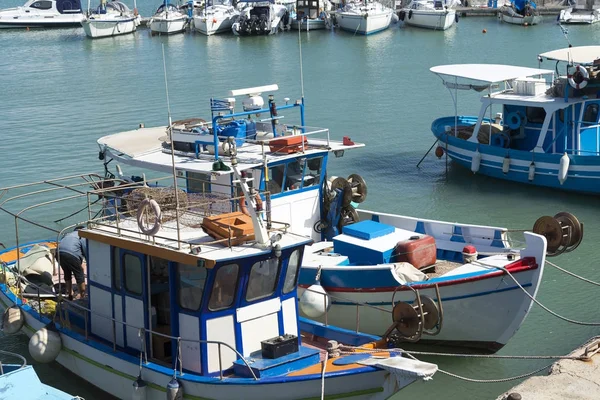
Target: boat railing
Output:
[(22, 360)]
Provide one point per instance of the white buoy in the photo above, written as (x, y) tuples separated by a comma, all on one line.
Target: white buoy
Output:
[(506, 164), (174, 390), (314, 302), (531, 174), (139, 389), (12, 320), (563, 168), (45, 345), (476, 161)]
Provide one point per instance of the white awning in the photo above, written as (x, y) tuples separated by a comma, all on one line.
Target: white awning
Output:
[(585, 55), (137, 142), (490, 73)]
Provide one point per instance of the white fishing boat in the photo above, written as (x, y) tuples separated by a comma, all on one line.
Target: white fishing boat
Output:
[(110, 19), (216, 17), (581, 12), (311, 15), (261, 18), (364, 17), (185, 295), (168, 19), (520, 12), (430, 14), (43, 14)]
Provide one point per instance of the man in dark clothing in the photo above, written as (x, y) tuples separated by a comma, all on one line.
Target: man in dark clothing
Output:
[(72, 251)]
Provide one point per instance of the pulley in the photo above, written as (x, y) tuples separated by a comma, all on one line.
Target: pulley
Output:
[(563, 232), (346, 189), (358, 187)]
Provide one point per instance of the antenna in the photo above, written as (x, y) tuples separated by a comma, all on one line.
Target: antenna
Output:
[(170, 134), (301, 71)]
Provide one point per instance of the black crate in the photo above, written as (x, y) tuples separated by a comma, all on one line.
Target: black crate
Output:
[(279, 346)]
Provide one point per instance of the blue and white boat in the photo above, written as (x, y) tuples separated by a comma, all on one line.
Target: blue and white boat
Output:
[(187, 295), (20, 381), (530, 128)]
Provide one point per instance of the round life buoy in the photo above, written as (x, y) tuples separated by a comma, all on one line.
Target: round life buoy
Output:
[(501, 140), (244, 207), (514, 120), (579, 77), (149, 229)]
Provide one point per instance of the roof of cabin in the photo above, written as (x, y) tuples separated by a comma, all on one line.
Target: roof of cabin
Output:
[(489, 73), (585, 55)]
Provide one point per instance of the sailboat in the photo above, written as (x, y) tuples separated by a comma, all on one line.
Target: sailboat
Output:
[(364, 17), (430, 14), (110, 19), (168, 19)]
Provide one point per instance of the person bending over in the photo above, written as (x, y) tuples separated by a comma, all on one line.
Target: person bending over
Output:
[(72, 251)]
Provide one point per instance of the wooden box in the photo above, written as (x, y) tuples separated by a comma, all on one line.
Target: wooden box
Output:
[(236, 226), (288, 144)]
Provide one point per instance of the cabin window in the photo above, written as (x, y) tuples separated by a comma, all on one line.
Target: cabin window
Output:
[(197, 183), (116, 269), (313, 171), (190, 287), (293, 177), (591, 113), (133, 274), (276, 175), (263, 279), (42, 5), (535, 115), (223, 291), (292, 272)]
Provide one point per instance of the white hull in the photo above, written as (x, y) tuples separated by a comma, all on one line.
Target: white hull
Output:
[(571, 16), (34, 21), (309, 24), (434, 19), (520, 20), (364, 25), (103, 368), (168, 26), (213, 25), (97, 28)]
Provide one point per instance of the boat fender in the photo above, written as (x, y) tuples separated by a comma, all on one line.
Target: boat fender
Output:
[(439, 151), (579, 77), (476, 161), (563, 168), (45, 344), (402, 15), (531, 173), (149, 230), (13, 320), (456, 18), (244, 206), (314, 302), (506, 164), (409, 14), (174, 390), (139, 389)]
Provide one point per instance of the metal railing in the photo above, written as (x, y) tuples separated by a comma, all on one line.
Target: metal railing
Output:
[(22, 360)]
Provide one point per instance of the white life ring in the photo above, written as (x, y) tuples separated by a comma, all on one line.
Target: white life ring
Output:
[(149, 230), (581, 74)]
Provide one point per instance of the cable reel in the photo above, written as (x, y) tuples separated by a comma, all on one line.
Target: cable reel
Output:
[(563, 232)]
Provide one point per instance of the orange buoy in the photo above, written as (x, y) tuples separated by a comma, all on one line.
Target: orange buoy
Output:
[(439, 152), (484, 31)]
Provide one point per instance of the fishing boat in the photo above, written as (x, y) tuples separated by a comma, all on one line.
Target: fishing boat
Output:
[(582, 12), (261, 18), (168, 19), (430, 14), (110, 19), (364, 17), (19, 381), (191, 285), (311, 15), (43, 14), (520, 12), (531, 127), (216, 17)]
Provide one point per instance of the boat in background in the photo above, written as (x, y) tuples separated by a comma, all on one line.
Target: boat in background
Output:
[(110, 19), (364, 17), (20, 381), (168, 19), (582, 12), (261, 18), (311, 15), (520, 12), (43, 14), (216, 17), (430, 14)]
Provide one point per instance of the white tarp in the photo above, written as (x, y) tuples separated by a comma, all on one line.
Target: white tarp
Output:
[(490, 73)]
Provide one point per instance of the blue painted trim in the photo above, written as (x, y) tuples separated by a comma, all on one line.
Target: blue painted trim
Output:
[(375, 217), (457, 234), (334, 333), (420, 228)]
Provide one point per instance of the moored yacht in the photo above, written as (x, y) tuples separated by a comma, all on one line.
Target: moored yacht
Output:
[(520, 12), (581, 12), (430, 14), (168, 19), (216, 16), (43, 14), (111, 19), (261, 18), (364, 17), (311, 15)]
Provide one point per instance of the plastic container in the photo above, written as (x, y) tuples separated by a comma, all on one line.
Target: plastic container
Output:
[(236, 128), (419, 250)]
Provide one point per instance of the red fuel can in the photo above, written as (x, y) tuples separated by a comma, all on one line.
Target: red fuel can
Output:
[(419, 250)]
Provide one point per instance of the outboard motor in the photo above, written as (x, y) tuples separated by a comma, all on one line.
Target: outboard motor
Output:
[(286, 20), (263, 25)]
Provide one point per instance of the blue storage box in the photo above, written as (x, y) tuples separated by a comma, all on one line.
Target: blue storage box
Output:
[(237, 129), (367, 230)]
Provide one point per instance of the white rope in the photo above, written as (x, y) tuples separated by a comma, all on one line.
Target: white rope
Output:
[(323, 376), (572, 274)]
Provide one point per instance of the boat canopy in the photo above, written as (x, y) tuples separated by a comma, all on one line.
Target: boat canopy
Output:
[(487, 73), (585, 55)]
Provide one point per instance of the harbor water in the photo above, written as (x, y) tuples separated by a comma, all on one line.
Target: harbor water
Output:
[(61, 91)]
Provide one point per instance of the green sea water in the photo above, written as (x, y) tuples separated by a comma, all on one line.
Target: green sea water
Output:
[(60, 91)]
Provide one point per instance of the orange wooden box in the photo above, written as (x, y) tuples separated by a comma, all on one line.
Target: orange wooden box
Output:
[(236, 226), (288, 144)]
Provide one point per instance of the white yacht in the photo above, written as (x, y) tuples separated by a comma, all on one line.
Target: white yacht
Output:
[(364, 18), (111, 19), (216, 17), (43, 14), (430, 14), (262, 18), (581, 12), (168, 19)]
